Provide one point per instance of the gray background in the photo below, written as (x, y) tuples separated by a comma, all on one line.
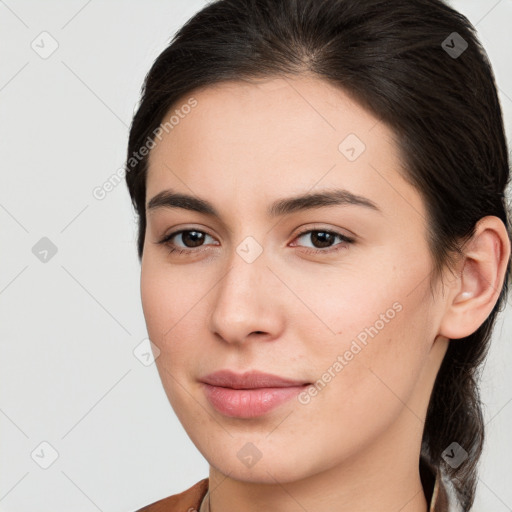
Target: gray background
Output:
[(70, 325)]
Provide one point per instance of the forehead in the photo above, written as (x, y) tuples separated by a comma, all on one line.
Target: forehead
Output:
[(276, 137), (278, 113)]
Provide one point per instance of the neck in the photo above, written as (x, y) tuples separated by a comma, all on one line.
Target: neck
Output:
[(385, 477)]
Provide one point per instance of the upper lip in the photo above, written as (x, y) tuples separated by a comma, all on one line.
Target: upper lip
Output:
[(249, 380)]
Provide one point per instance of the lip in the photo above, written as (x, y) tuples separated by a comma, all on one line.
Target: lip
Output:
[(249, 380), (250, 394)]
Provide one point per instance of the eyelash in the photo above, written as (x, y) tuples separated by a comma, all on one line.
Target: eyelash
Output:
[(175, 250)]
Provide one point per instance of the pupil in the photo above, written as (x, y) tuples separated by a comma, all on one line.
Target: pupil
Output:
[(195, 236), (323, 238)]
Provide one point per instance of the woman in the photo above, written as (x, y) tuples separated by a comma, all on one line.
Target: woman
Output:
[(324, 248)]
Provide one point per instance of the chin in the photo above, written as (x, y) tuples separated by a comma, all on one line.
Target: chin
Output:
[(258, 463), (261, 473)]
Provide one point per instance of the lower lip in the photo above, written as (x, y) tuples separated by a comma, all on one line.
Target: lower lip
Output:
[(248, 403)]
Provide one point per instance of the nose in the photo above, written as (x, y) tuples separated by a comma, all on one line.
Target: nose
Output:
[(246, 303)]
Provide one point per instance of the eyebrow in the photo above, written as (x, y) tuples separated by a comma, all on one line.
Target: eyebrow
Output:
[(280, 207)]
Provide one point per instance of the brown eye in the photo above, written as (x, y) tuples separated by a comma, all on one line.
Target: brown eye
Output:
[(190, 238), (323, 240)]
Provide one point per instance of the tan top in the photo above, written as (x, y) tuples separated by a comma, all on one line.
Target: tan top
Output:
[(438, 490)]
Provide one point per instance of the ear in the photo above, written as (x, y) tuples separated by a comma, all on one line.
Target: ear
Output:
[(481, 273)]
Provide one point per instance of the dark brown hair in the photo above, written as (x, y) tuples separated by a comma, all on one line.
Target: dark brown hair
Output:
[(399, 60)]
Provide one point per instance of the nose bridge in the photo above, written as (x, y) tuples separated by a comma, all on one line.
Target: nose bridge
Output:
[(244, 301)]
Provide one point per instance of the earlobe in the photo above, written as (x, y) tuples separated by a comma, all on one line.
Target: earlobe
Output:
[(482, 272)]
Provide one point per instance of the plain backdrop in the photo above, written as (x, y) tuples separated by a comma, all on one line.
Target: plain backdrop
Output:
[(85, 424)]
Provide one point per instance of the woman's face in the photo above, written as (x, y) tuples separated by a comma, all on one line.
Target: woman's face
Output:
[(354, 323)]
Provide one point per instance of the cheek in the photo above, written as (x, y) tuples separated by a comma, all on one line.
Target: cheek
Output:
[(174, 311), (374, 330), (170, 316), (165, 294), (372, 294), (359, 397), (163, 307), (155, 299)]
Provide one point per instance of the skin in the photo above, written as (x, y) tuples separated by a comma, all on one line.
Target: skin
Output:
[(355, 446)]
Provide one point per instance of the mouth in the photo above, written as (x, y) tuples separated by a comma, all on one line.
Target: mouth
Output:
[(249, 395)]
